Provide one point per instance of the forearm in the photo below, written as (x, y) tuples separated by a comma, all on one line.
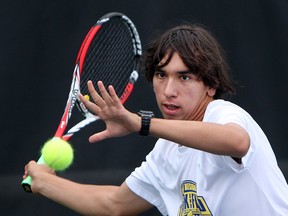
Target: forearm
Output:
[(84, 199), (218, 139)]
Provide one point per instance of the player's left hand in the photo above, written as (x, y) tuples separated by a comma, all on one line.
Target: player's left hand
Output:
[(119, 121)]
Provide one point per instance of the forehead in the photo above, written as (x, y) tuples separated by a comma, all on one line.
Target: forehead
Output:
[(172, 62)]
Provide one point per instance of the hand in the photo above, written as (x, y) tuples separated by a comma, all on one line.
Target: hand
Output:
[(118, 120), (35, 171)]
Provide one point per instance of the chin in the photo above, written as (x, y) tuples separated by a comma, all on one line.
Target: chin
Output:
[(171, 117)]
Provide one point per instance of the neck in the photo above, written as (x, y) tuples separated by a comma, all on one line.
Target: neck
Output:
[(201, 108)]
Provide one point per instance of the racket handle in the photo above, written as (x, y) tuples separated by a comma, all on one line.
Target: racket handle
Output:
[(26, 183)]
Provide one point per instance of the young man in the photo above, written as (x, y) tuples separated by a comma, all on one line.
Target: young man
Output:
[(211, 157)]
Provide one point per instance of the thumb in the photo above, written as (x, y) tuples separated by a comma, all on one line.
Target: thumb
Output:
[(99, 136)]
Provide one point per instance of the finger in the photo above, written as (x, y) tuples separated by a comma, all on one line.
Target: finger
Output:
[(89, 105), (96, 97), (25, 172), (27, 168), (105, 95), (114, 97), (31, 163)]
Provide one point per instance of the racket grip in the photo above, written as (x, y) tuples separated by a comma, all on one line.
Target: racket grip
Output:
[(26, 183)]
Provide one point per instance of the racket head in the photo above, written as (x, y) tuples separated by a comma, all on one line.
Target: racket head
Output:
[(111, 53)]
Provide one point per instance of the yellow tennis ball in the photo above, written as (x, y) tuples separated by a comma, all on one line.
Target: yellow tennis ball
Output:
[(58, 154), (86, 97)]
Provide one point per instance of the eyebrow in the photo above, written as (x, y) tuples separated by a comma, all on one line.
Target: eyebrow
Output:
[(182, 72), (185, 72), (188, 71)]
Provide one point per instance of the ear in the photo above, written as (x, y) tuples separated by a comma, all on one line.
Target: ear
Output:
[(211, 91)]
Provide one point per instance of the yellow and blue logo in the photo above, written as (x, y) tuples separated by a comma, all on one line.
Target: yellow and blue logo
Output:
[(192, 204)]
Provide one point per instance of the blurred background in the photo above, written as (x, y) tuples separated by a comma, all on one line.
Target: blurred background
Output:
[(39, 42)]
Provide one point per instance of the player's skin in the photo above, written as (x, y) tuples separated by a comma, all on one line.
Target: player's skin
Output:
[(180, 97)]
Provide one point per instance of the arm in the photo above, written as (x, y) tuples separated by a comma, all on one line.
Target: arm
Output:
[(229, 139), (85, 199)]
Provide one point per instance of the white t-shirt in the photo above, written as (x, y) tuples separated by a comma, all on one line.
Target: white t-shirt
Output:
[(184, 181)]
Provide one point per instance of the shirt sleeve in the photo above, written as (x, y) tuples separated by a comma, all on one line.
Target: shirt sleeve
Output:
[(143, 181), (230, 113), (146, 191)]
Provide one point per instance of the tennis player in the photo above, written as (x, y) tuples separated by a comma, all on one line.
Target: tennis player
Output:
[(211, 157)]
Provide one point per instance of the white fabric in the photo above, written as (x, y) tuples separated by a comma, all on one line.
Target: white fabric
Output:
[(184, 181)]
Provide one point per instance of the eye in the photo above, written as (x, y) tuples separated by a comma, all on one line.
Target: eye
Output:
[(159, 74), (185, 77)]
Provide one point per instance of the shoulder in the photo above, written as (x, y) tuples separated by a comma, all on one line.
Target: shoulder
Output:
[(222, 112), (222, 105)]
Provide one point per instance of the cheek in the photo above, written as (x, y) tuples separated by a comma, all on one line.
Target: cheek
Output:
[(156, 93), (156, 87), (194, 95)]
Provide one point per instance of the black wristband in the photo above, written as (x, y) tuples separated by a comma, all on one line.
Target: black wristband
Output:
[(145, 121)]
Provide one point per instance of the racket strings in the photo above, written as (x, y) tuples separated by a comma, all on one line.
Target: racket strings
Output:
[(110, 57)]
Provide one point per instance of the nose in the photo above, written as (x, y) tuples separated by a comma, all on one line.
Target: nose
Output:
[(170, 89)]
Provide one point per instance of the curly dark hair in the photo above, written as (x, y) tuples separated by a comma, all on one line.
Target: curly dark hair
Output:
[(200, 52)]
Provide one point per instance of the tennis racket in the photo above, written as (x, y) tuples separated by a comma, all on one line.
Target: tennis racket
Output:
[(110, 52)]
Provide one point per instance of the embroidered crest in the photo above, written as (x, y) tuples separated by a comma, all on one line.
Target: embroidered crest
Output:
[(192, 204)]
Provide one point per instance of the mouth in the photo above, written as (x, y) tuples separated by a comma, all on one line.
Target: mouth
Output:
[(171, 106), (170, 109)]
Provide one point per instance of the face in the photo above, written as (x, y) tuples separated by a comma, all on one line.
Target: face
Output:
[(178, 92)]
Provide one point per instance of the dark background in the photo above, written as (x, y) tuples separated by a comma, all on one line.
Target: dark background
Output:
[(39, 42)]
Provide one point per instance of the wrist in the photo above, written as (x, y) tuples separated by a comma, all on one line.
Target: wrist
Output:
[(41, 177), (146, 117)]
